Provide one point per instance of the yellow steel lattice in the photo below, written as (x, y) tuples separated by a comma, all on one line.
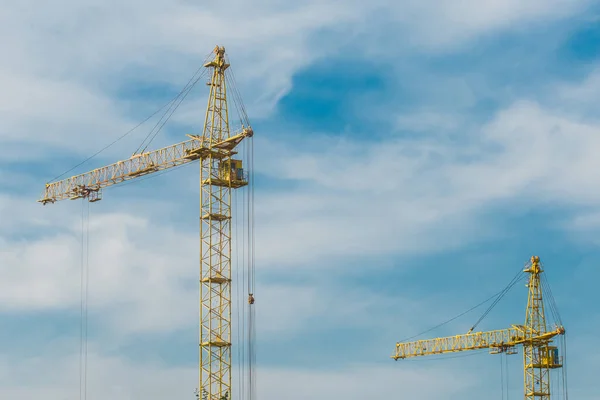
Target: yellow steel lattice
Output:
[(217, 180), (539, 356), (219, 174)]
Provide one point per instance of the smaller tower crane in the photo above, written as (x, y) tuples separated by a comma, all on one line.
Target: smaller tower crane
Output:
[(539, 356)]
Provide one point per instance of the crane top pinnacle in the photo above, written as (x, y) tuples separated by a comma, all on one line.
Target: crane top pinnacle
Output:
[(219, 60), (535, 267), (535, 260), (219, 51)]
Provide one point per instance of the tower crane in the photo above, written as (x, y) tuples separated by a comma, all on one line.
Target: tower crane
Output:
[(220, 174), (539, 356)]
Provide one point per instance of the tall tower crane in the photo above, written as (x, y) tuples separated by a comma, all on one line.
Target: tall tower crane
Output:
[(220, 173), (539, 356)]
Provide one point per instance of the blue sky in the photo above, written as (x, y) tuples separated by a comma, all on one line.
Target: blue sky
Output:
[(410, 158)]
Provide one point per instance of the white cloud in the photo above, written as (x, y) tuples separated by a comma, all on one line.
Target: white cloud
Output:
[(546, 154), (526, 154), (61, 68), (459, 22), (358, 382), (143, 276), (114, 377), (56, 376), (356, 201), (136, 273), (342, 209), (402, 194), (43, 116), (429, 121), (577, 97), (442, 26)]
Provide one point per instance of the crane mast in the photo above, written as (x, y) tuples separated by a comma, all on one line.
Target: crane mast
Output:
[(220, 173), (539, 357)]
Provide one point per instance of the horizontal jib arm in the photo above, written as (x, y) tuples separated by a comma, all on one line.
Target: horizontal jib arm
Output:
[(88, 184)]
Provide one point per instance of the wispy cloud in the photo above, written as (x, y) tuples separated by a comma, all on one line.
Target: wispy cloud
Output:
[(334, 212)]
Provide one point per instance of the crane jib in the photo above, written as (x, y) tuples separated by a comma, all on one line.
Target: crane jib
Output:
[(88, 185), (539, 356)]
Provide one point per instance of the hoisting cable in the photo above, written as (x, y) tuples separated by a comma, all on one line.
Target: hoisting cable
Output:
[(547, 293), (249, 282), (231, 90), (201, 72), (502, 375), (128, 132), (455, 317), (237, 98), (187, 87), (87, 293), (81, 286), (244, 114), (565, 374), (253, 271), (552, 302), (244, 228), (84, 290), (506, 373), (512, 283), (172, 111), (563, 380), (115, 141), (556, 388), (250, 264), (248, 323), (235, 293), (451, 319)]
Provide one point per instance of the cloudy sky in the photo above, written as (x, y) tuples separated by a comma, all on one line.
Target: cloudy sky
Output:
[(410, 157)]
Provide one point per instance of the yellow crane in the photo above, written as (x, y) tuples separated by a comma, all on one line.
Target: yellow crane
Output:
[(220, 173), (539, 356)]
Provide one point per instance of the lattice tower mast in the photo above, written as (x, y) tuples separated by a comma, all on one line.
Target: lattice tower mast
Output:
[(215, 243), (537, 371)]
